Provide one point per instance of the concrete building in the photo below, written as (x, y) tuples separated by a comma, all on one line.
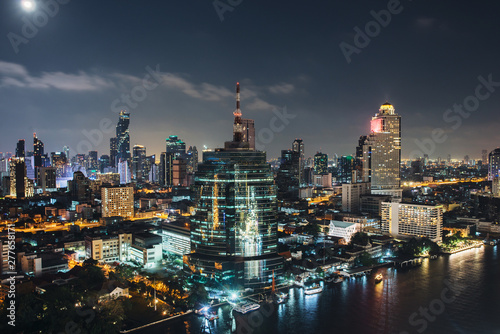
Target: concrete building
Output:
[(108, 248), (371, 203), (412, 220), (37, 264), (117, 201), (146, 250), (176, 238), (351, 194)]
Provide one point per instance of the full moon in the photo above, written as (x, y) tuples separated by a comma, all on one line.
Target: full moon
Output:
[(28, 5)]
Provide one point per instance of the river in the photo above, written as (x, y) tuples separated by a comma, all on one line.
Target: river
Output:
[(457, 293)]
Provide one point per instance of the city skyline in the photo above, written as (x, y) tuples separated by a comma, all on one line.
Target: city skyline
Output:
[(58, 93)]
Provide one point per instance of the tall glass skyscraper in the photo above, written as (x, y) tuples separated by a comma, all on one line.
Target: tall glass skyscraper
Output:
[(123, 137), (382, 153), (234, 230)]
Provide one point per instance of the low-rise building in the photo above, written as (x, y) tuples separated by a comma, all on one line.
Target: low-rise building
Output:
[(176, 237), (37, 264), (343, 230)]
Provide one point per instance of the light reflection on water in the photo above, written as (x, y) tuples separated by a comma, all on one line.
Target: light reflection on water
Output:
[(361, 306)]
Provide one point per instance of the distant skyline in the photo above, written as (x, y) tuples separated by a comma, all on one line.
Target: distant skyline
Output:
[(69, 75)]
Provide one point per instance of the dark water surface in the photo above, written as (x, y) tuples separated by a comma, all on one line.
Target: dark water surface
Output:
[(459, 293)]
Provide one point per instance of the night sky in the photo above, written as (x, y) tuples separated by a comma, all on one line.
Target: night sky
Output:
[(69, 75)]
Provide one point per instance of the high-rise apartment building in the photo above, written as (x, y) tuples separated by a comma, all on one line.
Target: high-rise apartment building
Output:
[(234, 230), (382, 153), (117, 201)]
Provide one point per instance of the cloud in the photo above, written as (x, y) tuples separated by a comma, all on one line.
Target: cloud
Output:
[(15, 75), (259, 104), (282, 88)]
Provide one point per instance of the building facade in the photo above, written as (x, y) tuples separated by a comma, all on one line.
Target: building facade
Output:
[(117, 202), (382, 153), (412, 220), (234, 229)]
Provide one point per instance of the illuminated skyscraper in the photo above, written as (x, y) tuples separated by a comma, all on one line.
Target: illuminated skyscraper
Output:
[(234, 230), (138, 163), (298, 146), (175, 146), (20, 149), (320, 164), (113, 151), (382, 153), (249, 132), (494, 164), (192, 157), (38, 151), (123, 137), (288, 175)]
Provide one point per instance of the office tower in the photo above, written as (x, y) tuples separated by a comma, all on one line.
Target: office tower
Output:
[(192, 159), (249, 132), (59, 161), (234, 229), (345, 168), (382, 153), (494, 164), (320, 164), (47, 176), (113, 151), (66, 152), (18, 178), (79, 187), (466, 160), (104, 162), (123, 137), (117, 202), (412, 220), (124, 172), (138, 163), (298, 146), (38, 154), (165, 177), (175, 146), (20, 149), (93, 161), (288, 175)]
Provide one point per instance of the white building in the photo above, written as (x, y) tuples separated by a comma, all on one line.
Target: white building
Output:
[(176, 238), (413, 220), (343, 229), (108, 248)]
